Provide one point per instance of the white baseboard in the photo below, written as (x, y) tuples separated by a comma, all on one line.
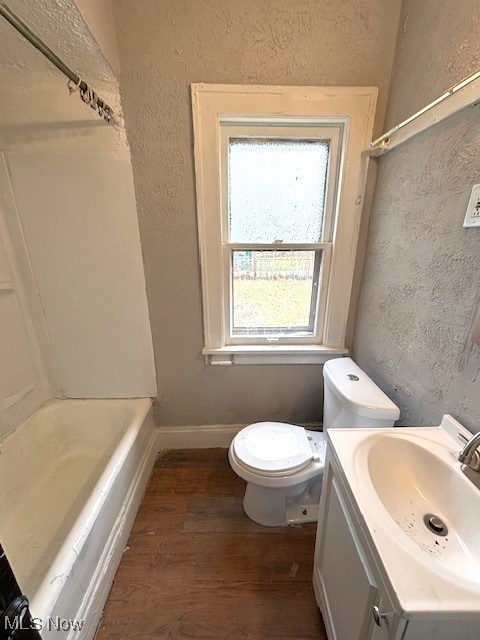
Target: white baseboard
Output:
[(204, 436), (94, 600)]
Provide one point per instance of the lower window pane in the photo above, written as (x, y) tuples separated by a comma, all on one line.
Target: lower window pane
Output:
[(274, 292)]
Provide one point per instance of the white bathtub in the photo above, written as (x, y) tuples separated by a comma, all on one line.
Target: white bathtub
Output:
[(71, 480)]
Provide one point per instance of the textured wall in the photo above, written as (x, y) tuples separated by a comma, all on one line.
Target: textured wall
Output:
[(61, 25), (437, 47), (98, 15), (421, 280), (165, 46)]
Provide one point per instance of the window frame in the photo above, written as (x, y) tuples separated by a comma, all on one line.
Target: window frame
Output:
[(220, 109), (292, 130)]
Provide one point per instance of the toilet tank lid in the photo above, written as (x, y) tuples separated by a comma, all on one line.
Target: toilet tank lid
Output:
[(362, 397)]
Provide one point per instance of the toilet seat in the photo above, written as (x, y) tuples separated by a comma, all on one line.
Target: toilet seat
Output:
[(273, 448)]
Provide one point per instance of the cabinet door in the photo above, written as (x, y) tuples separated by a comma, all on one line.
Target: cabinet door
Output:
[(348, 589)]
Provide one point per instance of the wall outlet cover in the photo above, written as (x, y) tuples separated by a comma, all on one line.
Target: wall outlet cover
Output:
[(472, 216)]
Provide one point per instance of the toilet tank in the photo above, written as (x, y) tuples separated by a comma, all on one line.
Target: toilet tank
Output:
[(352, 399)]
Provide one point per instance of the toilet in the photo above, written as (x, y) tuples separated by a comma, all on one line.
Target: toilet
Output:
[(283, 463)]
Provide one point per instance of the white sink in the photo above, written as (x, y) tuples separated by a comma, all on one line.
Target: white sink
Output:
[(396, 477), (413, 484)]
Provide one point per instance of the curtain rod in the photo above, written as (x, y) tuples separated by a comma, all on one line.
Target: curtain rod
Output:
[(383, 141), (86, 93)]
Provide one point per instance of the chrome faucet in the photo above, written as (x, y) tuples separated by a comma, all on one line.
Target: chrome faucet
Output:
[(469, 455)]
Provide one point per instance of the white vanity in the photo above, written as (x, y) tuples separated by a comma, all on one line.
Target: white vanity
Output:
[(398, 542)]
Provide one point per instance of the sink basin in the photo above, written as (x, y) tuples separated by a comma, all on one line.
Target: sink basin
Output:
[(397, 476), (413, 484)]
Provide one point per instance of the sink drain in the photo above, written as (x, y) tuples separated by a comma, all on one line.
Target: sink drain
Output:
[(435, 524)]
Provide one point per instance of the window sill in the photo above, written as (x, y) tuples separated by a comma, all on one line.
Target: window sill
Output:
[(272, 354)]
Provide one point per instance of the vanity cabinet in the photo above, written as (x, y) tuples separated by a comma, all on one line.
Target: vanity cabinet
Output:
[(346, 587), (351, 589)]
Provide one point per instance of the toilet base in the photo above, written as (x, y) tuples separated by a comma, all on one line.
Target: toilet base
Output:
[(272, 507)]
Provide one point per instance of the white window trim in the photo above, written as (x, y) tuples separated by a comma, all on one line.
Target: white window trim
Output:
[(354, 108), (332, 131)]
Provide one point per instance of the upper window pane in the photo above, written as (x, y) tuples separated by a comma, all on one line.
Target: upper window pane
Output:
[(276, 189)]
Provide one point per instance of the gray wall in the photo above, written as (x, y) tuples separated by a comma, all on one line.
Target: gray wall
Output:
[(421, 286), (165, 46)]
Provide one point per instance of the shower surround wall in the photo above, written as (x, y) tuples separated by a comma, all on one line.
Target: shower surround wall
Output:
[(421, 288), (163, 48), (68, 211)]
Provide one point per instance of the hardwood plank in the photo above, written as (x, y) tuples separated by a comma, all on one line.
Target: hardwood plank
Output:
[(215, 482), (213, 610), (219, 558), (193, 459), (161, 514), (226, 515)]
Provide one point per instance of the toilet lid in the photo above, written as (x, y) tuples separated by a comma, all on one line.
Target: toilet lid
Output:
[(273, 447)]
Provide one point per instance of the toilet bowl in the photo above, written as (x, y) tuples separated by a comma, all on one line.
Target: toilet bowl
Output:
[(283, 466), (283, 463)]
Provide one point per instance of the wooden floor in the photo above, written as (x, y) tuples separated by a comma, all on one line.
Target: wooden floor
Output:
[(197, 567)]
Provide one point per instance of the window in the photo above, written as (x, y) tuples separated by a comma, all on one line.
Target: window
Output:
[(280, 179)]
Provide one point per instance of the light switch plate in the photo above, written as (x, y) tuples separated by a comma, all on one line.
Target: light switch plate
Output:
[(472, 217)]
